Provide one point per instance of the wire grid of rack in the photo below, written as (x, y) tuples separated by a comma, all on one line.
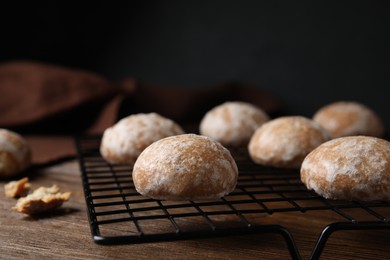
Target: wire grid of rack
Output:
[(119, 215)]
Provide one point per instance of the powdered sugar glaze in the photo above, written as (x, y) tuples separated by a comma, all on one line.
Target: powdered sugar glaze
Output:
[(185, 167), (123, 142), (352, 168)]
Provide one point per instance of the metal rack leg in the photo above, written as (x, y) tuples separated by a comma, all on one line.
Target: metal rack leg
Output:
[(292, 248), (328, 230), (319, 247)]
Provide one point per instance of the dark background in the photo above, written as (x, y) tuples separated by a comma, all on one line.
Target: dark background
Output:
[(306, 53)]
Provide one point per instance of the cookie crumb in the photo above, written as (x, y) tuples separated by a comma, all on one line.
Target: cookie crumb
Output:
[(17, 189), (41, 200)]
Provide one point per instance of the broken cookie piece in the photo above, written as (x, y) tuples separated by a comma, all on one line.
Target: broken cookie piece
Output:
[(41, 200), (17, 189)]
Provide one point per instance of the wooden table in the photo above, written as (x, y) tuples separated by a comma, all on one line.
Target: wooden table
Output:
[(65, 233)]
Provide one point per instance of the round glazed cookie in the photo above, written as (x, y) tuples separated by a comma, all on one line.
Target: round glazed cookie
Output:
[(123, 142), (232, 123), (349, 118), (15, 153), (285, 141), (349, 168), (185, 167)]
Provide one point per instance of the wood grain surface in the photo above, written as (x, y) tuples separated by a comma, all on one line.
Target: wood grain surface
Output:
[(65, 233)]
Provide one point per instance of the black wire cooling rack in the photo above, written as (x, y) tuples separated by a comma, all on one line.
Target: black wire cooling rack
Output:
[(119, 215)]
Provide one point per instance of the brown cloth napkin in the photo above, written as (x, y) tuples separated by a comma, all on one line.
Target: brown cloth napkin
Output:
[(49, 104)]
